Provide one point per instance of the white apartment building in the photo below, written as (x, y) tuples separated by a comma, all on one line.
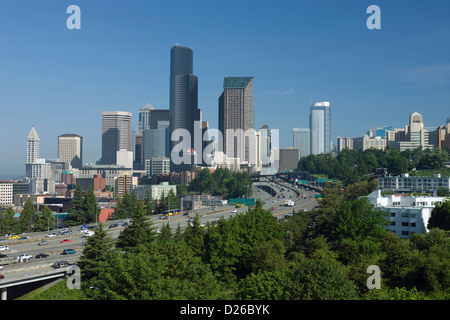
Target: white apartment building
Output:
[(6, 193), (157, 165), (407, 215), (156, 191), (406, 183)]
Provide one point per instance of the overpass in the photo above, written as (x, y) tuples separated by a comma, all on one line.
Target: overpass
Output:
[(26, 278)]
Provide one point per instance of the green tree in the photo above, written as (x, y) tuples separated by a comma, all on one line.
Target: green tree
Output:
[(399, 260), (230, 243), (25, 223), (440, 216), (358, 220), (319, 279), (194, 236), (96, 258), (125, 206), (394, 294), (7, 221), (44, 220), (265, 285), (165, 235), (433, 159), (166, 271), (90, 207), (139, 231)]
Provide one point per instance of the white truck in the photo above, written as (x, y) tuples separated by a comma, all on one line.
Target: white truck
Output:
[(289, 203), (4, 248), (23, 257)]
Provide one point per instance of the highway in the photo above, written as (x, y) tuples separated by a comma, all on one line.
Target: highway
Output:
[(273, 199)]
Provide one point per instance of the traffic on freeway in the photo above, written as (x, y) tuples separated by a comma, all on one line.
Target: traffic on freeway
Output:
[(23, 253)]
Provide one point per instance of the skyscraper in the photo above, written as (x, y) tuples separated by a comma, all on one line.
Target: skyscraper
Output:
[(148, 119), (184, 110), (145, 118), (32, 146), (320, 127), (116, 134), (70, 149), (302, 141), (236, 112)]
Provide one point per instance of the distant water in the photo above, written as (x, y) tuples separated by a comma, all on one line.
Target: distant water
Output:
[(9, 177)]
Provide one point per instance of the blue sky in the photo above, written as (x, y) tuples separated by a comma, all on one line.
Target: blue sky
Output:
[(60, 80)]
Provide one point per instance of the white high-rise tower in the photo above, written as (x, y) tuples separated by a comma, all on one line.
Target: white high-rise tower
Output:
[(32, 146)]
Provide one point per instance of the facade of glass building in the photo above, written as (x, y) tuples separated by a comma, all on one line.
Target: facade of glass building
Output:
[(320, 127)]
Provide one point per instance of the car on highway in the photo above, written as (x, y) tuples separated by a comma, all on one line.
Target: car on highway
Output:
[(3, 255), (65, 240), (68, 251), (2, 276), (41, 255), (234, 211), (114, 225), (24, 238), (1, 267), (13, 237), (43, 242), (50, 235), (60, 264), (4, 248)]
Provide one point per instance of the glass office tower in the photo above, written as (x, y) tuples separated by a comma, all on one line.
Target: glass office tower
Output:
[(320, 127)]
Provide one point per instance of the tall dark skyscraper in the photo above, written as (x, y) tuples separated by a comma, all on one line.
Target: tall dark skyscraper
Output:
[(183, 96)]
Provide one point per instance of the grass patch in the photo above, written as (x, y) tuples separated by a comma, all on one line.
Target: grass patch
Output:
[(59, 291)]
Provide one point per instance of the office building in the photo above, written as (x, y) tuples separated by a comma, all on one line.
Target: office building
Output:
[(70, 149), (183, 112), (149, 117), (6, 193), (413, 136), (156, 141), (405, 183), (124, 184), (320, 127), (109, 172), (289, 158), (407, 214), (236, 118), (157, 165), (302, 141), (97, 183), (124, 158), (116, 135), (156, 192)]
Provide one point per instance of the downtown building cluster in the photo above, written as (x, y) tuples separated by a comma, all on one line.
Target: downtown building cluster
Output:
[(131, 159), (412, 136)]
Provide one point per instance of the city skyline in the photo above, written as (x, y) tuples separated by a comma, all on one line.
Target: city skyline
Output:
[(379, 77)]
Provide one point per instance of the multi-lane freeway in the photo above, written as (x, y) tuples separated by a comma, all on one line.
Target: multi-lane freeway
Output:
[(272, 194)]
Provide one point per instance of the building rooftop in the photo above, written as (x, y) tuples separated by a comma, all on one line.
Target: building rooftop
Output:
[(236, 82)]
